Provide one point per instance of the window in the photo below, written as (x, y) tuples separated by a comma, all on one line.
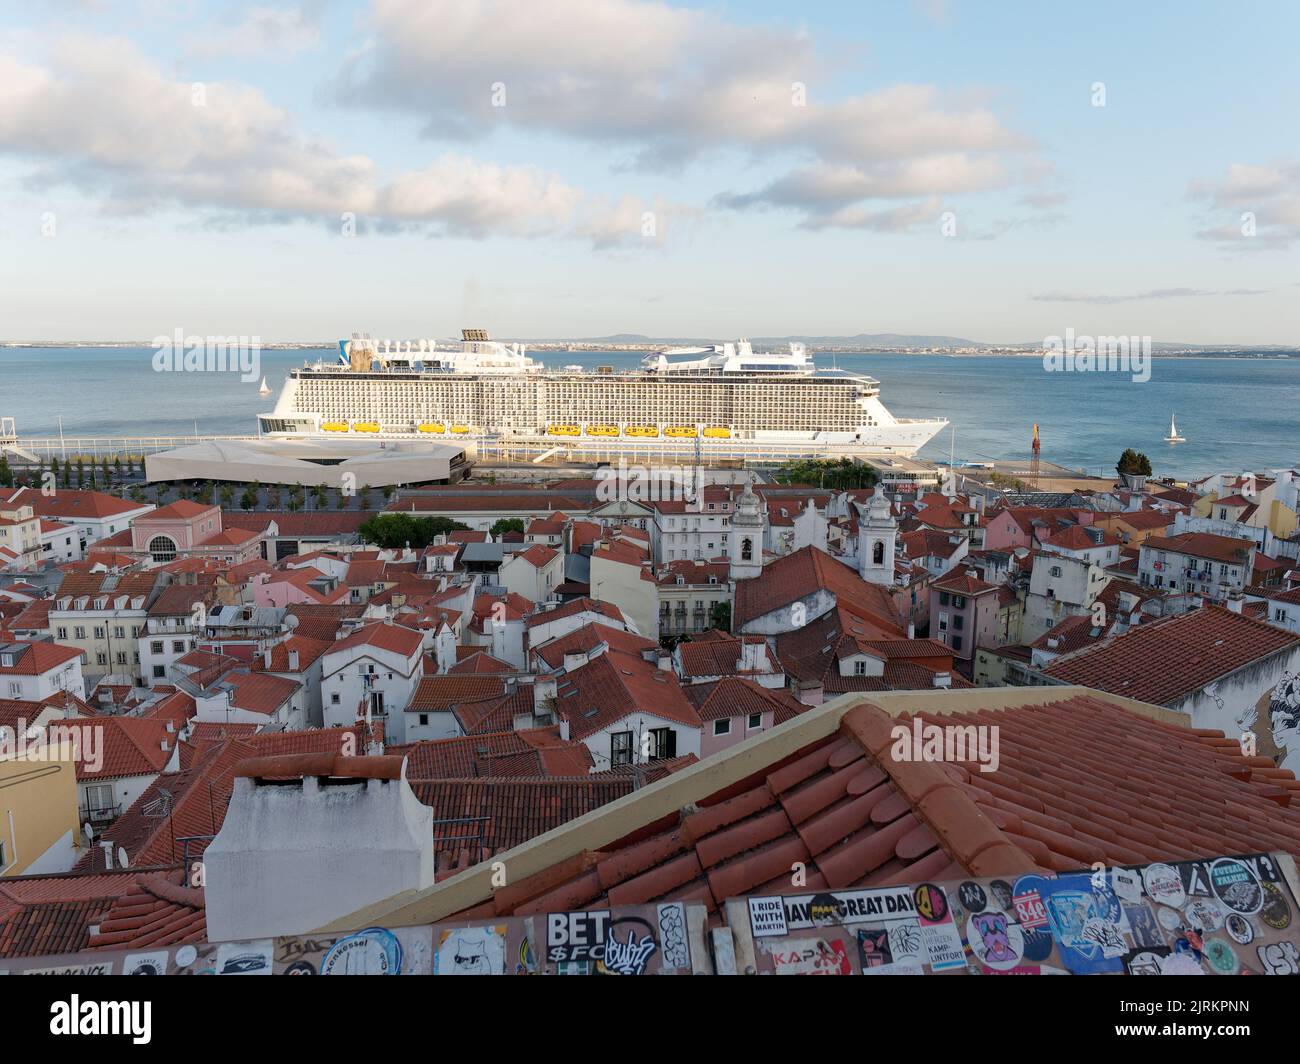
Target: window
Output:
[(755, 721), (178, 646), (79, 632), (99, 797), (722, 727), (159, 672), (162, 549), (956, 642), (958, 602), (99, 632), (334, 699), (878, 553), (859, 668), (424, 719), (943, 598), (1056, 570), (957, 622), (62, 633), (663, 743), (119, 632), (156, 646), (746, 550), (620, 748)]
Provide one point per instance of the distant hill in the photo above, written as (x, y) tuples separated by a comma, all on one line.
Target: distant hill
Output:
[(860, 340)]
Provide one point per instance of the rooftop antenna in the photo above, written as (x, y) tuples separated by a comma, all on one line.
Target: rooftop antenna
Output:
[(1035, 454)]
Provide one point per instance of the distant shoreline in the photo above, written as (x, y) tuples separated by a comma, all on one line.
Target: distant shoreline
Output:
[(581, 347)]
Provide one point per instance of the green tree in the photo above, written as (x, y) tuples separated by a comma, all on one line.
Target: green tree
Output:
[(1133, 462), (506, 524), (839, 475), (248, 500), (720, 616), (6, 474), (399, 530)]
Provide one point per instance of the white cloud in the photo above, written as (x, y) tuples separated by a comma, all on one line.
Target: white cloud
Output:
[(1253, 206), (100, 117), (279, 32), (665, 86)]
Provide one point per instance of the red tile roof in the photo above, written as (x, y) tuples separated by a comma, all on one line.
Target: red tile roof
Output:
[(800, 574), (37, 658), (160, 910), (587, 638), (735, 696), (1079, 780), (532, 753), (439, 693), (1166, 660), (1205, 545), (613, 687), (181, 509), (575, 606), (391, 637), (130, 746)]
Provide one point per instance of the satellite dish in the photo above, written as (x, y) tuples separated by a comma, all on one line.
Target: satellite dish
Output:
[(122, 862), (291, 622), (88, 831)]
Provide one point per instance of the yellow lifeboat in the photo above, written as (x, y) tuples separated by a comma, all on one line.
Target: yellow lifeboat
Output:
[(602, 430), (679, 432), (365, 426), (432, 426), (716, 432), (564, 430), (460, 430), (334, 426), (643, 430)]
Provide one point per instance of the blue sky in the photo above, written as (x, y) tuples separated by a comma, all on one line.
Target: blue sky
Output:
[(580, 167)]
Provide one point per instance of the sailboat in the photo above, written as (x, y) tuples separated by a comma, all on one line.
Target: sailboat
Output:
[(1173, 436), (263, 390)]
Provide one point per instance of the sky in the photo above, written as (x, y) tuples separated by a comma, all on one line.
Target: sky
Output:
[(999, 171)]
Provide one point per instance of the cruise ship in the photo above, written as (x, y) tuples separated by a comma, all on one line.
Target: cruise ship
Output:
[(726, 400)]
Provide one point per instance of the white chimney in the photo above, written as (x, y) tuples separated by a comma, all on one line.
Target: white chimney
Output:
[(350, 826), (544, 690), (107, 846), (574, 659), (810, 694), (293, 661), (266, 658), (1235, 602), (564, 730), (752, 656), (911, 630), (665, 663), (942, 679)]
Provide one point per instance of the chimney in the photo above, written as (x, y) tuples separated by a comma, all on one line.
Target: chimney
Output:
[(266, 658), (809, 693), (665, 663), (942, 679), (544, 690), (293, 661), (751, 656), (574, 659), (1235, 601), (350, 826), (911, 630), (564, 730), (107, 846)]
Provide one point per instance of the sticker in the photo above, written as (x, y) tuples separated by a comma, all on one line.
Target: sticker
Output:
[(1279, 958), (470, 951), (577, 936), (374, 951), (1181, 964), (1239, 929), (972, 897), (995, 941), (1170, 919), (1030, 911), (767, 917), (1001, 891), (871, 906), (244, 958), (1087, 935), (1038, 943), (1235, 885), (1163, 884), (300, 968), (930, 902), (186, 956), (1276, 912), (527, 963), (676, 954), (145, 964), (1127, 883), (1203, 915), (811, 956), (1146, 961), (1143, 928), (628, 947), (1221, 957), (873, 947)]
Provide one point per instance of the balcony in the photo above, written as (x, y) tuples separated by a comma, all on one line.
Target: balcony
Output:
[(99, 814)]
